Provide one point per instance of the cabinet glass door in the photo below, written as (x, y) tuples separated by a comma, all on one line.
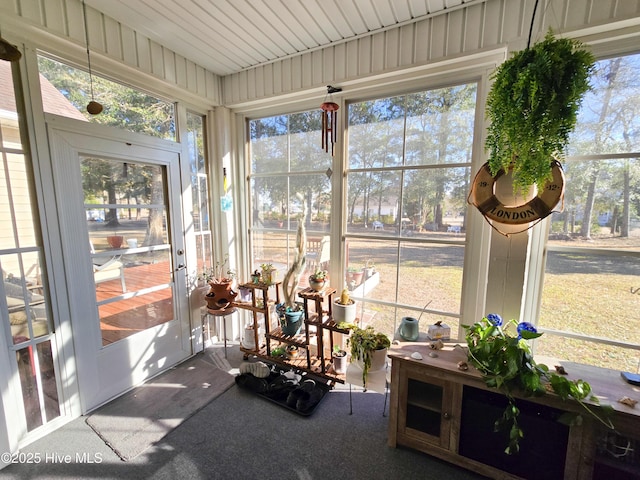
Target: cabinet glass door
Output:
[(427, 411)]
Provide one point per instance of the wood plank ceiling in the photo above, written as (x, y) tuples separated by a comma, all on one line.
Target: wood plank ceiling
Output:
[(227, 36)]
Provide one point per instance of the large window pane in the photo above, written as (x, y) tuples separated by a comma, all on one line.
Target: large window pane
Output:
[(589, 298), (290, 173), (409, 174), (24, 297)]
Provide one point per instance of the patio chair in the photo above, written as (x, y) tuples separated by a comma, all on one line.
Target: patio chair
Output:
[(318, 254), (110, 269)]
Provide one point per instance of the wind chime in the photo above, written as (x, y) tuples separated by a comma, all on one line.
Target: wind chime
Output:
[(329, 119), (94, 108)]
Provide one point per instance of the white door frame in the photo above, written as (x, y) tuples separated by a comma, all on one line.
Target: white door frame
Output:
[(99, 379)]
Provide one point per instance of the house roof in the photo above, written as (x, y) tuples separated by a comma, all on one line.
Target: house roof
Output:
[(54, 101)]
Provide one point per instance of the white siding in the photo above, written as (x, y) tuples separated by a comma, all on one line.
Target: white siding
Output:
[(64, 19), (465, 31)]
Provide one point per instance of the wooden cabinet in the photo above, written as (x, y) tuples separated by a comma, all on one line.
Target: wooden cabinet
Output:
[(448, 413)]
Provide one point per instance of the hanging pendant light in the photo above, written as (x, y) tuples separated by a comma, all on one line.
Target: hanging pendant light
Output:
[(94, 108), (329, 119)]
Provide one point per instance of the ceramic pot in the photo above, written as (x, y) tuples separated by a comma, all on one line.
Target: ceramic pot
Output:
[(355, 278), (344, 313), (378, 360), (317, 285), (220, 295), (292, 322), (339, 363), (409, 329)]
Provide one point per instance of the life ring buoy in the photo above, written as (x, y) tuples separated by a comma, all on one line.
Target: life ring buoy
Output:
[(483, 197)]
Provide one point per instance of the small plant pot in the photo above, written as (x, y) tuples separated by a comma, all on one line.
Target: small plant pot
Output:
[(292, 351), (291, 322), (339, 362), (344, 313), (355, 278), (317, 285)]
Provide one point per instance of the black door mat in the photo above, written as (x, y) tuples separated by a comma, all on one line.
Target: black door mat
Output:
[(298, 393)]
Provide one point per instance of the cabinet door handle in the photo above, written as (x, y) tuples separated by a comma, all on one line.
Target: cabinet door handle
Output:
[(447, 415)]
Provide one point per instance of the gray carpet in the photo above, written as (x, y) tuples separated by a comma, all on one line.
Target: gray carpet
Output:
[(243, 437), (143, 416)]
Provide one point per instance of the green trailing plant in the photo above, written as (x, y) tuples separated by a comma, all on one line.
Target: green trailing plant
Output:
[(363, 342), (506, 364), (532, 108)]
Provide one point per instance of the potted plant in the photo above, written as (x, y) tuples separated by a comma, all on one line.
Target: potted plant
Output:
[(532, 107), (269, 273), (220, 280), (291, 312), (368, 350), (369, 268), (318, 280), (339, 359), (344, 308), (354, 276), (115, 240), (506, 363)]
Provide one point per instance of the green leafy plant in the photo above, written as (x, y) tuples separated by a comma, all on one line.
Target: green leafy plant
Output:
[(220, 273), (532, 107), (506, 363), (363, 342)]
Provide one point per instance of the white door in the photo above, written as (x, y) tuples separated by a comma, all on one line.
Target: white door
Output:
[(118, 197)]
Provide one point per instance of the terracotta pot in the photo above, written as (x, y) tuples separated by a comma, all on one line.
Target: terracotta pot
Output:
[(355, 278), (220, 295), (115, 241)]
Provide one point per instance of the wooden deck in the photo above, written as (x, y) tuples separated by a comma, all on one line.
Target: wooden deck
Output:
[(123, 318)]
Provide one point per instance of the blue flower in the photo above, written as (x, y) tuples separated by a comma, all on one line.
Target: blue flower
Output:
[(525, 326), (495, 319)]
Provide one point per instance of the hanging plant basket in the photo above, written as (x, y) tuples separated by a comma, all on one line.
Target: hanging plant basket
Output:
[(532, 107)]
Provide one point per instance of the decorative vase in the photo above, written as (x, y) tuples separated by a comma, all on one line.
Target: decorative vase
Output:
[(220, 295), (344, 313), (409, 329), (291, 322)]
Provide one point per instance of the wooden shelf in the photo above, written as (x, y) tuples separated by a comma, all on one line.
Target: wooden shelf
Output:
[(320, 318)]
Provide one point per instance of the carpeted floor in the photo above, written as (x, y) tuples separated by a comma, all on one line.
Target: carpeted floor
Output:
[(241, 436), (135, 421)]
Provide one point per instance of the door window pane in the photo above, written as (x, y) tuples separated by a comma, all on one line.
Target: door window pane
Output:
[(127, 222)]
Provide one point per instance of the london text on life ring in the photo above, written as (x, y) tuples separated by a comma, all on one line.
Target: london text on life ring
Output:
[(483, 197)]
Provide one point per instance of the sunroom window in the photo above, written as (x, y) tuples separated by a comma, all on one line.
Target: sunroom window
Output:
[(408, 175), (289, 173), (66, 91), (591, 289)]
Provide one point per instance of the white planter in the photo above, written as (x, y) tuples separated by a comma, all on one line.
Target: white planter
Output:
[(344, 313), (378, 360)]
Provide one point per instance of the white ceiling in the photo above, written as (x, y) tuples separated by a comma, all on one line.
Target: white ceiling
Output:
[(226, 36)]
